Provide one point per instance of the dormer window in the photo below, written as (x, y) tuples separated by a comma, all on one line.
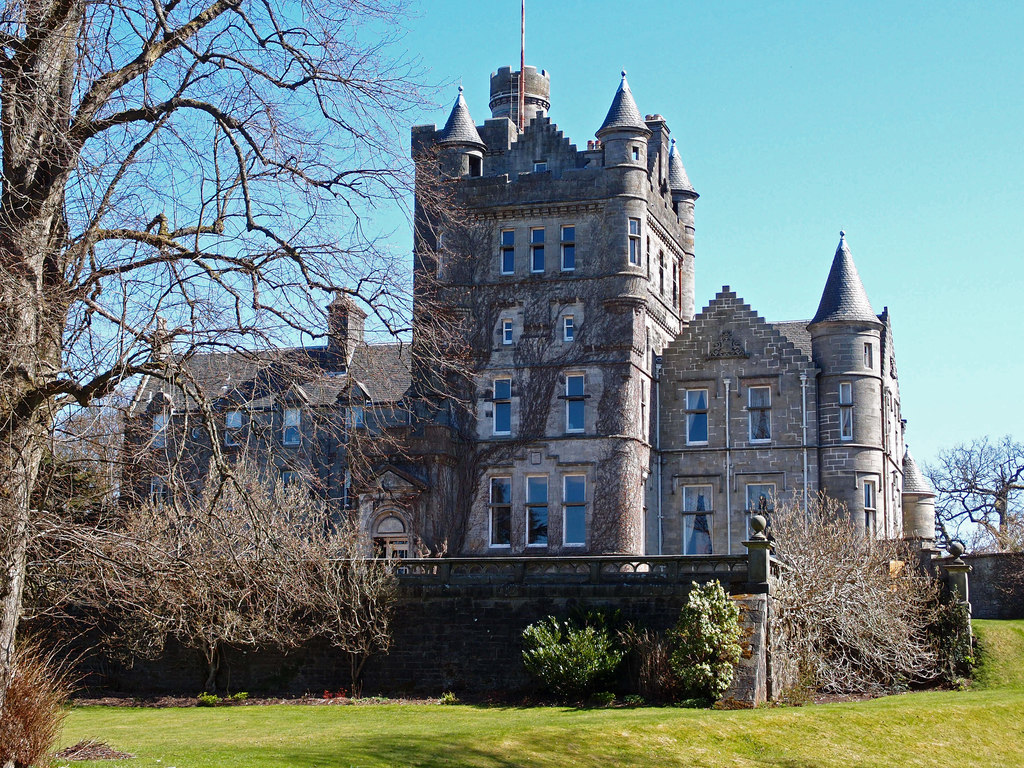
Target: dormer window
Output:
[(232, 427), (292, 434)]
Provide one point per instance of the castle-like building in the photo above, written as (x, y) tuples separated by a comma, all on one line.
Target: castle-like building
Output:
[(602, 413)]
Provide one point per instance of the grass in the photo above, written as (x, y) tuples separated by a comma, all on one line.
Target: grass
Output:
[(980, 727)]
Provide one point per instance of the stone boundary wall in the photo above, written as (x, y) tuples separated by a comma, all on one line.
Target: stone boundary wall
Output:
[(997, 585), (463, 634)]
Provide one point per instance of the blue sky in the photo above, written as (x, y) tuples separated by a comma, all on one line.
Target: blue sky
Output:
[(899, 122)]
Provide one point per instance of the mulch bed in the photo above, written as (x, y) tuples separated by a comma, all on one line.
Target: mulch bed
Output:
[(163, 702), (92, 750)]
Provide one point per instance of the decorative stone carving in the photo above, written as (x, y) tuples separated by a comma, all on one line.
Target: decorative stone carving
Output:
[(727, 346)]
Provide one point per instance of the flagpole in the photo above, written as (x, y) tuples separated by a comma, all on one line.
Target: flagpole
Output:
[(522, 65)]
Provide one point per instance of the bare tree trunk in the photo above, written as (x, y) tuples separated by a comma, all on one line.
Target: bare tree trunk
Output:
[(212, 655)]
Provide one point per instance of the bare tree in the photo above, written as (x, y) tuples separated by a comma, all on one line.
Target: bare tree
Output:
[(856, 613), (981, 484), (211, 162)]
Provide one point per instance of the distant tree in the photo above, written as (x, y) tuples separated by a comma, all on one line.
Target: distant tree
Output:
[(981, 484)]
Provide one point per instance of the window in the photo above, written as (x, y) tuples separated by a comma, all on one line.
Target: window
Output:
[(568, 249), (539, 166), (503, 406), (508, 251), (537, 249), (845, 411), (476, 165), (289, 477), (292, 426), (759, 404), (634, 241), (661, 273), (697, 512), (870, 496), (232, 426), (760, 501), (636, 154), (568, 328), (696, 416), (160, 429), (675, 285), (574, 520), (501, 512), (356, 417), (506, 331), (158, 491), (869, 356), (575, 411), (536, 511)]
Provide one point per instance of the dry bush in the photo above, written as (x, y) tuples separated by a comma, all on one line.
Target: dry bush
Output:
[(34, 710), (648, 663), (856, 613)]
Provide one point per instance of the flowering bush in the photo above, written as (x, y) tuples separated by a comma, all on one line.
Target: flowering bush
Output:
[(707, 641)]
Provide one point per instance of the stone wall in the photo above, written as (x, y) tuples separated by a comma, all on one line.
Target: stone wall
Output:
[(462, 635), (996, 585)]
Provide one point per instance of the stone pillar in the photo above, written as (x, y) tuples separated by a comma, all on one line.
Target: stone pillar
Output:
[(956, 571), (759, 550)]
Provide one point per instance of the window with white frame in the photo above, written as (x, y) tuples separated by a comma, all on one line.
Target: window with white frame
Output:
[(232, 427), (846, 410), (759, 414), (501, 512), (537, 511), (289, 477), (696, 416), (292, 426), (539, 166), (568, 328), (870, 502), (698, 509), (869, 356), (506, 331), (760, 501), (503, 406), (537, 249), (575, 403), (160, 421), (508, 251), (574, 515), (158, 494), (568, 248), (356, 416), (634, 241)]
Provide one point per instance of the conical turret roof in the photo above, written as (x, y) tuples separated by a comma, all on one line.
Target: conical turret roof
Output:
[(844, 298), (623, 114), (678, 181), (460, 128), (914, 480)]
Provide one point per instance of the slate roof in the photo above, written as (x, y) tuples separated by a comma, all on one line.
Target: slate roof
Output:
[(677, 178), (844, 298), (796, 331), (460, 128), (914, 480), (315, 375), (623, 113)]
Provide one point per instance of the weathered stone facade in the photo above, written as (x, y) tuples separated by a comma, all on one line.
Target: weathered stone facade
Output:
[(602, 415)]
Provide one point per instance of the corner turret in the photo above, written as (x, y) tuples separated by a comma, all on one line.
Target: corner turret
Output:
[(461, 146), (624, 133), (918, 503)]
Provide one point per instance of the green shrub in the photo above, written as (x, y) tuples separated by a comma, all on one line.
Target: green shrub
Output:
[(707, 641), (207, 700), (448, 698), (602, 699), (951, 632), (240, 696), (569, 660), (633, 700)]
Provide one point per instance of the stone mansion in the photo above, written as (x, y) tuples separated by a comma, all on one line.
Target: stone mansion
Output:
[(603, 413)]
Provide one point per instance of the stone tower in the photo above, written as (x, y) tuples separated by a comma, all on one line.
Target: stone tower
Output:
[(858, 401), (570, 270)]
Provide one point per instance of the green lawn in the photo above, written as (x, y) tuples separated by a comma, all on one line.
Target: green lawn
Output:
[(981, 727)]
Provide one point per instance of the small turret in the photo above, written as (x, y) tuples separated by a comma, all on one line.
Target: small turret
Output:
[(460, 142), (505, 93), (683, 193), (624, 133), (918, 503), (844, 299)]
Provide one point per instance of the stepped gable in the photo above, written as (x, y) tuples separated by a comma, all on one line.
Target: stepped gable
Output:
[(844, 298), (728, 327), (460, 128), (914, 480), (623, 113), (542, 138), (678, 181)]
